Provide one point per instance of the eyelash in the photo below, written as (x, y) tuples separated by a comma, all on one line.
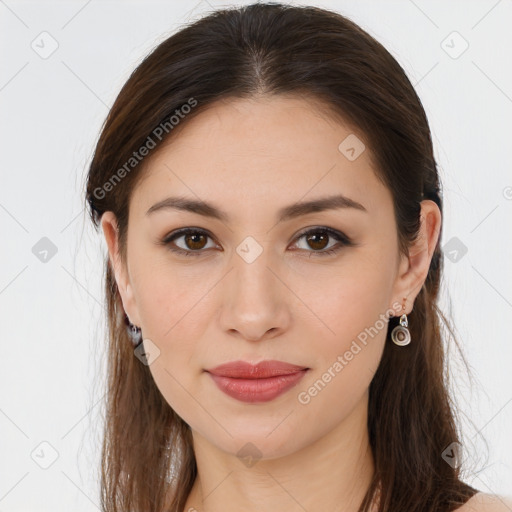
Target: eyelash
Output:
[(343, 240)]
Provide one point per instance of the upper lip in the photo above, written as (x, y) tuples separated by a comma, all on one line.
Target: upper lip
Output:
[(262, 370)]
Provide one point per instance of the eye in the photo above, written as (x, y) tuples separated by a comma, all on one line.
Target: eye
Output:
[(195, 240), (317, 238)]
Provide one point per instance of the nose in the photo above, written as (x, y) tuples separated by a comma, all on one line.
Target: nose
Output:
[(254, 302)]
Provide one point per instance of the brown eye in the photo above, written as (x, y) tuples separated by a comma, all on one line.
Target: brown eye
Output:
[(318, 240), (191, 242), (195, 241)]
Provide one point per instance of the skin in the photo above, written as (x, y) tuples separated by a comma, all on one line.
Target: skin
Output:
[(250, 158)]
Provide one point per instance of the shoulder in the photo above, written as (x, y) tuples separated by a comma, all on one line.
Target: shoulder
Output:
[(483, 502)]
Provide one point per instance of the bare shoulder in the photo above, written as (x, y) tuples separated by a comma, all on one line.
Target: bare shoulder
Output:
[(483, 502)]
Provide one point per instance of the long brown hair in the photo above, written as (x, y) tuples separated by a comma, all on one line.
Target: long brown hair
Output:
[(274, 49)]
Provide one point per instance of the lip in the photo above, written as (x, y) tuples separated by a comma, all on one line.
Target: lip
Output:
[(256, 383)]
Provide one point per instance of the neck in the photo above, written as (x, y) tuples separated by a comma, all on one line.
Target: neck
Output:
[(332, 473)]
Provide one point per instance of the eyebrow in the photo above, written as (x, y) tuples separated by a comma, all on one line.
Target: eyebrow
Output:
[(287, 213)]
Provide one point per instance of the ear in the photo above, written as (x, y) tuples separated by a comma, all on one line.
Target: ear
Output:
[(111, 233), (413, 270)]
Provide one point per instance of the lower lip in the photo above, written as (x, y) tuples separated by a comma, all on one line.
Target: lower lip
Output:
[(257, 390)]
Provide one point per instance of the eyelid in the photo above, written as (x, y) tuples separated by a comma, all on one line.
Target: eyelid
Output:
[(343, 240), (339, 235), (182, 232)]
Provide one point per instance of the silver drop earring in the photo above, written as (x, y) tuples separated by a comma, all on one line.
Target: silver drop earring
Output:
[(400, 335), (134, 332)]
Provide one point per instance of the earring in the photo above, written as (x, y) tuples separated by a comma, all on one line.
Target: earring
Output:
[(400, 334), (134, 332)]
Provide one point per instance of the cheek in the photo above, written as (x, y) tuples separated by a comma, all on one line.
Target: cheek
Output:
[(344, 367), (344, 303), (173, 304), (171, 322), (350, 332), (171, 298)]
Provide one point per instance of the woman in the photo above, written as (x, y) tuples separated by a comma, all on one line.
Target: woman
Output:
[(267, 189)]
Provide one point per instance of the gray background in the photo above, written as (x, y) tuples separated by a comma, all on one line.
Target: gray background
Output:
[(51, 303)]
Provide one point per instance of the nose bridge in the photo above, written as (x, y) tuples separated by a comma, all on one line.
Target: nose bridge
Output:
[(252, 261), (255, 302)]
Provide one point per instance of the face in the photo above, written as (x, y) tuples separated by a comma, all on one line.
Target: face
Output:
[(313, 290)]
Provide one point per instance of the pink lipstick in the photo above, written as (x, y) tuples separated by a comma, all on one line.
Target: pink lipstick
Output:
[(256, 383)]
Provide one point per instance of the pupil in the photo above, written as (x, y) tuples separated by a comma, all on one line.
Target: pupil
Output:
[(315, 240), (194, 237)]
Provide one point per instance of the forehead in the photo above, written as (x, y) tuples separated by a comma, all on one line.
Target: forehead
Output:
[(253, 153)]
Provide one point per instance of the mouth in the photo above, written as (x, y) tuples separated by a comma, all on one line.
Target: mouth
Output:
[(262, 382)]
